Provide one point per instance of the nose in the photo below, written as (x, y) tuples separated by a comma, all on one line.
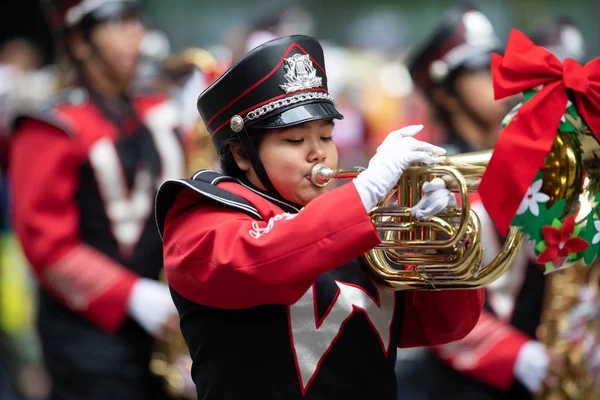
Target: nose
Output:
[(134, 30), (317, 153)]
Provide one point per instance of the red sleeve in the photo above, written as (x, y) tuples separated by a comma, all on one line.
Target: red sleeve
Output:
[(224, 258), (436, 317), (44, 169), (488, 353)]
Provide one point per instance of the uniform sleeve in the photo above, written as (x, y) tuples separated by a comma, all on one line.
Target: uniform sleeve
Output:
[(488, 353), (44, 169), (436, 317), (223, 258)]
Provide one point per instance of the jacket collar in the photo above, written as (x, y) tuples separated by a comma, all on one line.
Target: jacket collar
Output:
[(286, 205)]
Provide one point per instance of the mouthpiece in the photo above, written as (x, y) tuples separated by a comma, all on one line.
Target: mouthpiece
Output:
[(320, 175)]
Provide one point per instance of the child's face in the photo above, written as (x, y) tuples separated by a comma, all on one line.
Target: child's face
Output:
[(477, 90), (117, 48), (289, 154)]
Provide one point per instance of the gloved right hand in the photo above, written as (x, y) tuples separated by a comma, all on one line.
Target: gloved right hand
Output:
[(436, 198), (151, 305), (531, 367), (394, 155)]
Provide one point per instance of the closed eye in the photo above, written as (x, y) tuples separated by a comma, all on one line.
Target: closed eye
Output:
[(294, 141), (327, 138)]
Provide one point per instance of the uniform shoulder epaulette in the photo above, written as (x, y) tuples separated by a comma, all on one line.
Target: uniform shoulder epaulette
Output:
[(204, 183), (47, 111)]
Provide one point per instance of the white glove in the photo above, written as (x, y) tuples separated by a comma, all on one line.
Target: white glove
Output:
[(150, 304), (531, 367), (394, 155), (436, 198)]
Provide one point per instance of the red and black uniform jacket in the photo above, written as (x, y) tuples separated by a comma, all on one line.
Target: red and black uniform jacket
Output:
[(274, 303), (84, 173)]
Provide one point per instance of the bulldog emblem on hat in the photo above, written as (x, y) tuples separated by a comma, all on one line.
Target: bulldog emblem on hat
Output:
[(300, 74)]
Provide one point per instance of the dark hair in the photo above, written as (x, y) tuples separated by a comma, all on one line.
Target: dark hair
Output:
[(449, 86), (227, 161)]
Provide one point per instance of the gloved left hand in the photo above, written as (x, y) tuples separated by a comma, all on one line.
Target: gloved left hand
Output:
[(151, 305), (531, 366), (436, 198)]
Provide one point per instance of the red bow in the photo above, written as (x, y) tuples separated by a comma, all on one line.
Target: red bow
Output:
[(527, 139)]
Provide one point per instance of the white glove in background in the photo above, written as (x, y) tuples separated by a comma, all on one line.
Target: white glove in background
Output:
[(394, 155), (531, 367), (150, 304), (436, 198)]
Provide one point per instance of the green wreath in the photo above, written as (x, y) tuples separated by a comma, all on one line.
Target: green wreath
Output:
[(559, 241)]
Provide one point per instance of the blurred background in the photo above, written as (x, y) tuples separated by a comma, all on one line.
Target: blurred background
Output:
[(359, 34), (208, 22)]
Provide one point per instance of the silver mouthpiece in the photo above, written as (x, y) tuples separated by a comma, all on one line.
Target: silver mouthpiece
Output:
[(320, 175)]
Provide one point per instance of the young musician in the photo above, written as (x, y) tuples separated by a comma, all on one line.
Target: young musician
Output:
[(264, 266), (85, 169)]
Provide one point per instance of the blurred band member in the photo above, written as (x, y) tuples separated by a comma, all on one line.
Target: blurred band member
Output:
[(453, 70), (85, 168), (500, 358)]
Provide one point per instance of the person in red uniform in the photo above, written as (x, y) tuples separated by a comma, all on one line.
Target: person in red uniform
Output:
[(501, 358), (85, 169), (264, 266), (451, 69)]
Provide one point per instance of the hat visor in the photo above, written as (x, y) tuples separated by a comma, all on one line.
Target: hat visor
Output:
[(298, 115), (478, 59)]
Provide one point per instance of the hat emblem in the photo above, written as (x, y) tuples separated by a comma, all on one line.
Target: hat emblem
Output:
[(300, 74), (479, 31)]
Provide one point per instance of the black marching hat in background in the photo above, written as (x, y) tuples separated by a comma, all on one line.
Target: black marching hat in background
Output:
[(563, 37), (279, 84), (464, 38), (85, 14)]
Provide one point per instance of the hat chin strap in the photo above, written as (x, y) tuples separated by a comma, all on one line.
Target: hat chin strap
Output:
[(254, 159)]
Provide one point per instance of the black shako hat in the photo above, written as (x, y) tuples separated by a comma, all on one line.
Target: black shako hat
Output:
[(85, 14), (563, 37), (464, 38), (278, 84)]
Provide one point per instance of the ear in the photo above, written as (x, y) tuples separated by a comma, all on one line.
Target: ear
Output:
[(239, 155), (444, 99), (80, 49)]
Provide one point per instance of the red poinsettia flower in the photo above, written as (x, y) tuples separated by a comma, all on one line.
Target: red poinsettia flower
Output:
[(559, 242)]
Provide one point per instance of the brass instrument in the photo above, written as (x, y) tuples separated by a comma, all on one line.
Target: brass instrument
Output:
[(445, 251), (202, 154), (199, 148), (570, 328), (182, 63), (172, 363)]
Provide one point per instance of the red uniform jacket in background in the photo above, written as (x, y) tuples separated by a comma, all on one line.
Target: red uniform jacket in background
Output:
[(488, 354), (83, 199)]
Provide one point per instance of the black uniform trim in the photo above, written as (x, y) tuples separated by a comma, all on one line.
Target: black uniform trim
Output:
[(204, 183)]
